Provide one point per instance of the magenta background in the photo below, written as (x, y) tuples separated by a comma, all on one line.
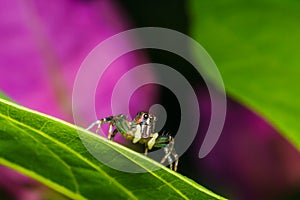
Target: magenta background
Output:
[(42, 46)]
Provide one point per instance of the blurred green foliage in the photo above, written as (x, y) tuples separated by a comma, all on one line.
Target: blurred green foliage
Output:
[(256, 46)]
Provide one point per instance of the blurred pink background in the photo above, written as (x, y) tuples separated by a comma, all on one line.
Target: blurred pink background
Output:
[(42, 46)]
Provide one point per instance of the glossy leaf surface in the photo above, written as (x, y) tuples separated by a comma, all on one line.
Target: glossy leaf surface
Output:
[(51, 151)]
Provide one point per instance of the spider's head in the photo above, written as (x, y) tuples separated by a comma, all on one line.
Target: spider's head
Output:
[(144, 118)]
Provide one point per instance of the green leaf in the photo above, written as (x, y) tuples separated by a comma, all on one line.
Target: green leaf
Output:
[(3, 96), (255, 45), (51, 151)]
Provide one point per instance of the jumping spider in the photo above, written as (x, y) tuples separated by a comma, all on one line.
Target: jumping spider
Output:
[(141, 130)]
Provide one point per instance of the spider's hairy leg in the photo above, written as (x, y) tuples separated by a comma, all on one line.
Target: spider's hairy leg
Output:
[(98, 123), (169, 152), (176, 157), (168, 157), (146, 151), (111, 135), (110, 131)]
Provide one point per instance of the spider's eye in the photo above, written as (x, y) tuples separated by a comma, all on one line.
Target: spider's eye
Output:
[(145, 116)]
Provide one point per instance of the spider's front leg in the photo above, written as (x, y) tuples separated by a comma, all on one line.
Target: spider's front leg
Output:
[(98, 123)]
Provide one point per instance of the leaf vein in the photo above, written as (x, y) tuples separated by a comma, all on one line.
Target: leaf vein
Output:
[(75, 153), (53, 153)]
